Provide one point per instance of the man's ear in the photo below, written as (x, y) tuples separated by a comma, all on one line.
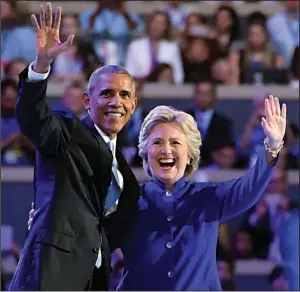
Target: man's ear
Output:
[(86, 101), (134, 103)]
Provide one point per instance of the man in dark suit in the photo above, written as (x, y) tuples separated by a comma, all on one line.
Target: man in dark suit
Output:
[(211, 124), (82, 182)]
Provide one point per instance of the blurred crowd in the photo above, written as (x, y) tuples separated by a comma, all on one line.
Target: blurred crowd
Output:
[(177, 46)]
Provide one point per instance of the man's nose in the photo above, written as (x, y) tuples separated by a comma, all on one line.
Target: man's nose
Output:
[(116, 100)]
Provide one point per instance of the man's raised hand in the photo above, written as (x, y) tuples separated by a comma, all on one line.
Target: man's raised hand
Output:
[(49, 45)]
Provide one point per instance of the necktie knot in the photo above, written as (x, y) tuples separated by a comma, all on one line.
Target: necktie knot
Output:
[(110, 146)]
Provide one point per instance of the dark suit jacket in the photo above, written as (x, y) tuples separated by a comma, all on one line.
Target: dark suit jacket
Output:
[(220, 127), (72, 175)]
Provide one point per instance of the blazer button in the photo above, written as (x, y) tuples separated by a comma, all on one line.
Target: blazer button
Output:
[(169, 244), (171, 274), (95, 250)]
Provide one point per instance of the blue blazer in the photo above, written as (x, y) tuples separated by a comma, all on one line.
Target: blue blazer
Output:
[(172, 244)]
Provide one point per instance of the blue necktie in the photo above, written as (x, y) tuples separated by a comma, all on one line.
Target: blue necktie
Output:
[(114, 191)]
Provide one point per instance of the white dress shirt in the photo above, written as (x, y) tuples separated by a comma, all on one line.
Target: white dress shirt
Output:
[(35, 77)]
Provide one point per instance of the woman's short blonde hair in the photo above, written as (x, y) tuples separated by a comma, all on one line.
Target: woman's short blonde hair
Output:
[(166, 114)]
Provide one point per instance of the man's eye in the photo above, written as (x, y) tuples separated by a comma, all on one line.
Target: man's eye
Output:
[(125, 95), (105, 93)]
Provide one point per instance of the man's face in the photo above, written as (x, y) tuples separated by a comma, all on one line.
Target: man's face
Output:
[(111, 103), (224, 157), (243, 243), (73, 100), (204, 95), (278, 183)]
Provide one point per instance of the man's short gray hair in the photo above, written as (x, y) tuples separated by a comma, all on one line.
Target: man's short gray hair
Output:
[(109, 69), (166, 114)]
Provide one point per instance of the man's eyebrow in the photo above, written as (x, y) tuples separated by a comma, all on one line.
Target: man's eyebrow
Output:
[(105, 90)]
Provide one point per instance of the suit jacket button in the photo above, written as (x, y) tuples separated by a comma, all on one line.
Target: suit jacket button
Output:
[(95, 250)]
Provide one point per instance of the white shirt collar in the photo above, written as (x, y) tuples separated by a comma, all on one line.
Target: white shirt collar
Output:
[(107, 140)]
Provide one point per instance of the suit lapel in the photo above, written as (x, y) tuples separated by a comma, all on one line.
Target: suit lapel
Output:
[(101, 143)]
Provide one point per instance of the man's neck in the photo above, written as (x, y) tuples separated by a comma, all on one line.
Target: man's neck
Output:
[(105, 134)]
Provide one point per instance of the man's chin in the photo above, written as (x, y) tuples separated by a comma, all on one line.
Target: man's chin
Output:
[(113, 131)]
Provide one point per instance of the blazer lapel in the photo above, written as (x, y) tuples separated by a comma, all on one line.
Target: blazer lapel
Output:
[(87, 121)]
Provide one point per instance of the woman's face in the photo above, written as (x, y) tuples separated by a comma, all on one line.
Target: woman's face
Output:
[(167, 152), (158, 26), (166, 76), (193, 20), (223, 20), (256, 36)]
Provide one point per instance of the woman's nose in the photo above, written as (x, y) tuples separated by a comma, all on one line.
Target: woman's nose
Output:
[(166, 149)]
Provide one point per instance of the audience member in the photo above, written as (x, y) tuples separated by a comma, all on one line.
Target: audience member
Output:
[(79, 61), (225, 26), (14, 68), (258, 221), (283, 28), (193, 22), (15, 147), (198, 59), (264, 219), (224, 244), (73, 99), (156, 47), (250, 58), (162, 73), (243, 245), (211, 123), (111, 20), (107, 51), (226, 274), (17, 36), (221, 72), (223, 155)]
